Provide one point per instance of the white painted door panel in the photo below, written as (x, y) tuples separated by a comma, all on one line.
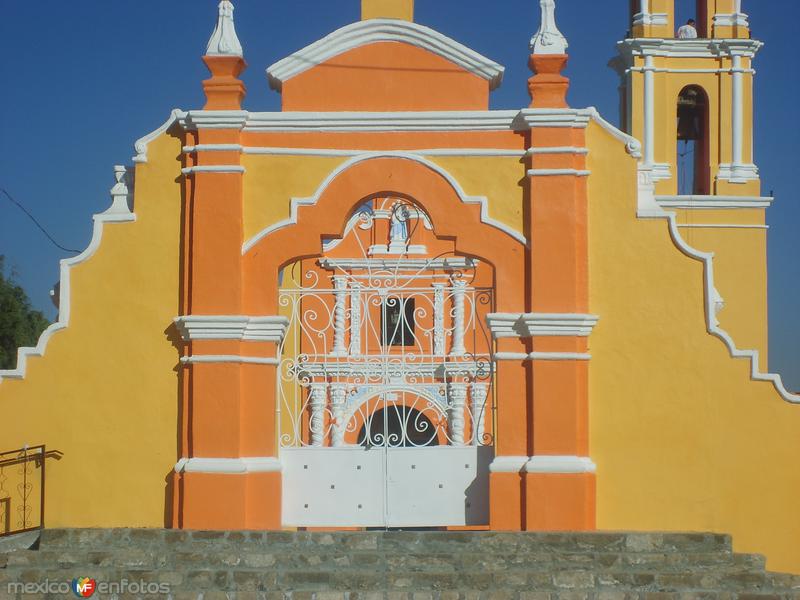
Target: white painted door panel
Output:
[(438, 486), (333, 487)]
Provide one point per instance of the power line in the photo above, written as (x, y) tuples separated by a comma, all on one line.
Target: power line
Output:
[(39, 225)]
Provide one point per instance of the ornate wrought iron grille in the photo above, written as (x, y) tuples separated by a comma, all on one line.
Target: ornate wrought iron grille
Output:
[(22, 490), (386, 344)]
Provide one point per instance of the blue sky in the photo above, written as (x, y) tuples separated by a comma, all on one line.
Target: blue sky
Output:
[(83, 80)]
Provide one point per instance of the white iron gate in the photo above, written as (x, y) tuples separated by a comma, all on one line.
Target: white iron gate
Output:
[(385, 388)]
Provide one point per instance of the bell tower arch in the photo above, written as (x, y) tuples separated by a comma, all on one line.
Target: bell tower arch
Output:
[(655, 66)]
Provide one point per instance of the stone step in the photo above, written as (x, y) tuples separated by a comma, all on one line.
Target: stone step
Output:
[(423, 565), (413, 561), (487, 542), (352, 580)]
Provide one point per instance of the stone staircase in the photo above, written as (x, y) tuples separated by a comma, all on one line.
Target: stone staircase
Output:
[(393, 565)]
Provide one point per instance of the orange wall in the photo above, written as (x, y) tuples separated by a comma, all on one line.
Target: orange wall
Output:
[(386, 76)]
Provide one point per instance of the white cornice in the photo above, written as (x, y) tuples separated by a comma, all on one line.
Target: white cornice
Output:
[(248, 329), (493, 120), (374, 31), (523, 325), (694, 48), (213, 119), (711, 202), (333, 152)]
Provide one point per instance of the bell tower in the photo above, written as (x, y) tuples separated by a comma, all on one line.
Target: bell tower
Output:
[(704, 84), (688, 97)]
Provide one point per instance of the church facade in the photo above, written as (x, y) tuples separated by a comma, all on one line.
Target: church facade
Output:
[(388, 306)]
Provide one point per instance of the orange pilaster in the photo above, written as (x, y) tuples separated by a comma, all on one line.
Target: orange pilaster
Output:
[(229, 412), (559, 501), (559, 491)]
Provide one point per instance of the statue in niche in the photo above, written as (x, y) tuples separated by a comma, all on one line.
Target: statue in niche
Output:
[(398, 229)]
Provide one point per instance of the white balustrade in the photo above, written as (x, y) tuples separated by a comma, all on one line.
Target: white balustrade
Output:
[(459, 289), (355, 319), (319, 396), (340, 316), (478, 395), (438, 319), (338, 400), (457, 395)]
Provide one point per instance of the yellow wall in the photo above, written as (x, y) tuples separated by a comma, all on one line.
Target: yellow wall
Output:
[(105, 393), (740, 269), (272, 181), (682, 437)]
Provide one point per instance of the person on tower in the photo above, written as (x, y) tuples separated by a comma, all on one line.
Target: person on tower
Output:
[(688, 31)]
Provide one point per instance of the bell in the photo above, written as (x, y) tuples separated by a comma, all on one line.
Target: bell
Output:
[(690, 116)]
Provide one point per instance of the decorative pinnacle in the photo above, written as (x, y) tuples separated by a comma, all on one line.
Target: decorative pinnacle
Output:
[(224, 41), (548, 40)]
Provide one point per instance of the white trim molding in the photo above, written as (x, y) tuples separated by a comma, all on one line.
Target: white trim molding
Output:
[(229, 466), (414, 265), (692, 48), (213, 119), (297, 203), (508, 464), (233, 359), (241, 328), (731, 20), (712, 307), (714, 202), (140, 146), (560, 464), (524, 325), (738, 173), (558, 172), (374, 31), (64, 294), (554, 356), (556, 150), (220, 169)]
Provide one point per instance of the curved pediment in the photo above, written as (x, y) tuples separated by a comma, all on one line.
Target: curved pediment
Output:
[(385, 64), (363, 33)]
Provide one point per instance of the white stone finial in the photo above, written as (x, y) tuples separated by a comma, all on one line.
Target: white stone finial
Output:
[(548, 40), (224, 41)]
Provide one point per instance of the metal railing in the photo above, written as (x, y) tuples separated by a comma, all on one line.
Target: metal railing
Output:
[(22, 490)]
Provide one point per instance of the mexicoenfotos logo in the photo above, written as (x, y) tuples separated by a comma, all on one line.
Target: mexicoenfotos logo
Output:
[(84, 587)]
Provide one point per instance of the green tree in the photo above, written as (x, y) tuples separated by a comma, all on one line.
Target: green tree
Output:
[(20, 324)]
